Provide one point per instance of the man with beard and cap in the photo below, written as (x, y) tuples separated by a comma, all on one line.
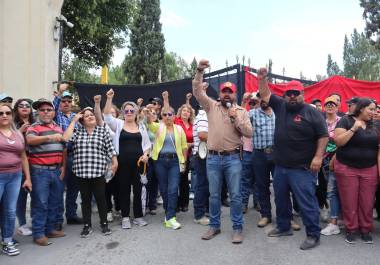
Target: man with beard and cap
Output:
[(263, 120), (227, 123), (300, 139)]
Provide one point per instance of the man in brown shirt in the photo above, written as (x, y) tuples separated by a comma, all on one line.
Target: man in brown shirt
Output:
[(227, 122)]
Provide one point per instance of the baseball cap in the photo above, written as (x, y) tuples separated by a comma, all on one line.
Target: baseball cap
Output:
[(229, 85), (316, 100), (66, 94), (36, 104), (4, 96), (332, 100), (294, 85), (353, 100), (156, 99)]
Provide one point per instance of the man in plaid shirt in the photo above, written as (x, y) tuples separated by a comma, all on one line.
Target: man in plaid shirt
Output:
[(263, 120), (63, 108)]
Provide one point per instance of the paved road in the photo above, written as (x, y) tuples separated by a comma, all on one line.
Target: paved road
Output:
[(155, 244)]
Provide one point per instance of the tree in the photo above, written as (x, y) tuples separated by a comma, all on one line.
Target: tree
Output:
[(116, 75), (193, 66), (332, 67), (100, 26), (75, 69), (175, 67), (371, 15), (145, 60)]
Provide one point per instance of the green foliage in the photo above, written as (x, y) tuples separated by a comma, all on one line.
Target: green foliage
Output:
[(116, 75), (75, 69), (100, 26), (193, 66), (145, 61), (371, 15), (175, 67), (332, 67), (361, 59)]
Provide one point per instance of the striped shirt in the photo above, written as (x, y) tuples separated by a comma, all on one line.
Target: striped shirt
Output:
[(263, 125), (48, 153), (200, 125)]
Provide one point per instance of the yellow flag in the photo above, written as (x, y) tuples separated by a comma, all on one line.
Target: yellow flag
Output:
[(104, 76)]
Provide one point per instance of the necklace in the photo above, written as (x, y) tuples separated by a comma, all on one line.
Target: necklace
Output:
[(9, 140)]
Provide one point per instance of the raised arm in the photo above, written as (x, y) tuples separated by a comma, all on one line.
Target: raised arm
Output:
[(108, 106), (188, 97), (264, 90), (70, 130), (97, 110), (199, 86), (165, 96)]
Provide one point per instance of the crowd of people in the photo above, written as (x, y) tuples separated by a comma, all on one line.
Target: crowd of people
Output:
[(318, 160)]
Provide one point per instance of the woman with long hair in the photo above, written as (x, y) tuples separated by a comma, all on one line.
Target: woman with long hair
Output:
[(13, 161), (92, 148), (23, 118), (132, 145), (356, 169)]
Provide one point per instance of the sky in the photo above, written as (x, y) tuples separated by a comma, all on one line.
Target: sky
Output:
[(296, 34)]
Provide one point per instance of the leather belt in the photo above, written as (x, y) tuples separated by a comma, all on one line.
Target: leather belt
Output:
[(48, 167), (169, 155), (267, 150), (224, 153)]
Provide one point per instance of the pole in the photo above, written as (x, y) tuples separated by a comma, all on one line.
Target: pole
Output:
[(60, 52)]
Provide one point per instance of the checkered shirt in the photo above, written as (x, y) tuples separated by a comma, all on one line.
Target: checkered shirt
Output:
[(91, 152), (263, 126)]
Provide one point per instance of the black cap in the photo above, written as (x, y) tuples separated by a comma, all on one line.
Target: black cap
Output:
[(156, 99), (316, 100), (353, 100)]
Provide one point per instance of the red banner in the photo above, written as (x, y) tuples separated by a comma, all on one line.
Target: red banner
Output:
[(346, 87)]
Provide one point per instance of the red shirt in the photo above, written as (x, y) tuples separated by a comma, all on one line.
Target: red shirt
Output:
[(188, 131)]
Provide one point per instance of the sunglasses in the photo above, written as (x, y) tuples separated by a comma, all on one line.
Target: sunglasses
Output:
[(127, 111), (24, 106), (227, 91), (46, 110), (330, 105), (7, 113), (290, 93), (167, 114), (66, 101), (7, 101), (154, 103)]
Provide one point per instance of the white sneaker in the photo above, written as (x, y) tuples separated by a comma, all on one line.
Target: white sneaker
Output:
[(330, 229), (24, 231), (139, 222), (109, 217), (126, 223), (202, 221), (191, 196), (173, 224), (160, 201)]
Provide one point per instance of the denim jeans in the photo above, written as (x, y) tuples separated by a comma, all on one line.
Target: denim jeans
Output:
[(167, 170), (301, 183), (47, 196), (201, 193), (72, 191), (193, 178), (152, 186), (9, 189), (21, 205), (248, 185), (225, 167), (263, 166), (333, 196)]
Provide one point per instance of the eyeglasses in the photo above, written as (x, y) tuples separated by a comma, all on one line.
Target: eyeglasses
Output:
[(24, 106), (168, 114), (46, 110), (7, 113), (66, 101), (290, 93), (7, 100), (330, 105), (127, 111)]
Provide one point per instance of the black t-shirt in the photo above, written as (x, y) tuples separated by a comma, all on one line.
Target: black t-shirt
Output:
[(361, 150), (296, 134)]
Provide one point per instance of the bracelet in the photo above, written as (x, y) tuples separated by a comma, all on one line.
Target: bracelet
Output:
[(352, 131)]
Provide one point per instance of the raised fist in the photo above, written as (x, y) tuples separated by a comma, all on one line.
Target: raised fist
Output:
[(165, 94), (203, 64), (189, 96), (62, 88), (110, 93), (97, 99), (262, 74), (139, 101), (246, 96)]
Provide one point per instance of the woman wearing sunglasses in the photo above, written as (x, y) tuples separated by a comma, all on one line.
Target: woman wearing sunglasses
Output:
[(169, 151), (132, 144), (13, 161), (23, 118)]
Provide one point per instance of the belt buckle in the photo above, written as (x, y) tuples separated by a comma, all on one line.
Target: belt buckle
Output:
[(268, 150)]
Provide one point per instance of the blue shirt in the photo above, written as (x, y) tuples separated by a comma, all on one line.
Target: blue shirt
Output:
[(263, 124)]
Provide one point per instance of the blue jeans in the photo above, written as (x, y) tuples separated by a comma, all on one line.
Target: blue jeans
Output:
[(193, 178), (201, 193), (46, 200), (228, 167), (263, 166), (333, 196), (248, 186), (9, 189), (152, 186), (167, 170), (301, 183), (21, 205)]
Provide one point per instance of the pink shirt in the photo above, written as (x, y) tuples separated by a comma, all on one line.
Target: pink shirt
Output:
[(247, 144), (10, 152)]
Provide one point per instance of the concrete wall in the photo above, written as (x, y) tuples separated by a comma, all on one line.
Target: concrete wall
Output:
[(28, 51)]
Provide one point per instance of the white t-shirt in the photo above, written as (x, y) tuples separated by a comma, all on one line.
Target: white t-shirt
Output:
[(200, 125)]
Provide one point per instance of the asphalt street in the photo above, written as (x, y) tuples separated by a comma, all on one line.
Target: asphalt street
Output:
[(155, 244)]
